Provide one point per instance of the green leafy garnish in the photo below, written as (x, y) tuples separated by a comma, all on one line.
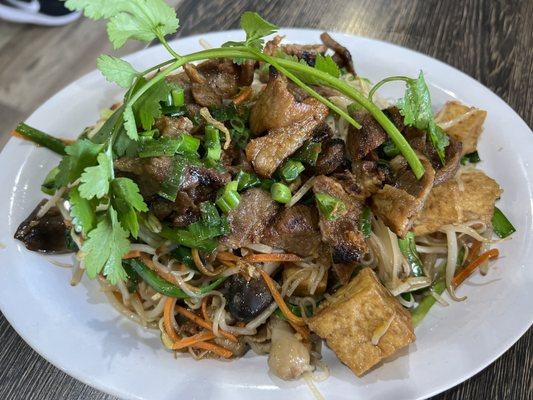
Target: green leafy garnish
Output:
[(328, 65), (80, 155), (82, 212), (256, 29), (116, 70), (95, 180), (127, 200)]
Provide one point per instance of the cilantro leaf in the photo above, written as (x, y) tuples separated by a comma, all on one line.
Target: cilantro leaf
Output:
[(148, 107), (80, 155), (130, 125), (104, 248), (328, 65), (256, 28), (82, 212), (116, 70), (95, 180), (144, 20), (416, 109), (127, 200)]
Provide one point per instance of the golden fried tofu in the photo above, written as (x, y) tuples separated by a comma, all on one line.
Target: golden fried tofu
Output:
[(468, 197), (462, 123), (304, 287), (363, 323)]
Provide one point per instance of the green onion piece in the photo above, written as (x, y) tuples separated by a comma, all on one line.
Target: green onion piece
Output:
[(212, 143), (246, 180), (184, 256), (408, 248), (290, 170), (196, 235), (501, 225), (178, 97), (266, 184), (173, 111), (41, 138), (308, 153), (133, 278), (330, 207), (365, 223), (419, 312), (390, 150), (48, 186), (165, 146), (229, 199), (163, 286), (187, 144), (280, 192), (171, 183), (472, 158)]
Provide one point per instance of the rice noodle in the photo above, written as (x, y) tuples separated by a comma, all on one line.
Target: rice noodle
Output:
[(123, 292), (157, 311), (301, 192), (144, 248), (308, 377), (431, 249), (137, 306), (438, 297), (77, 272), (451, 262), (263, 248)]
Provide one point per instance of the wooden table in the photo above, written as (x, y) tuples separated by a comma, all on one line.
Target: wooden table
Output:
[(489, 40)]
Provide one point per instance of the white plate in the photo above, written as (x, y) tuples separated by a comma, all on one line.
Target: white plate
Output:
[(76, 330)]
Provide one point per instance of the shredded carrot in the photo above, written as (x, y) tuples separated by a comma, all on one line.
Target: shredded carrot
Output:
[(168, 314), (272, 257), (243, 95), (203, 323), (131, 254), (474, 252), (467, 271), (192, 340), (218, 350), (279, 300), (204, 309), (228, 264), (227, 256)]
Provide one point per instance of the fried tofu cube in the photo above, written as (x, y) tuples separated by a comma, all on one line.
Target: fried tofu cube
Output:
[(462, 123), (363, 323), (468, 197), (304, 287)]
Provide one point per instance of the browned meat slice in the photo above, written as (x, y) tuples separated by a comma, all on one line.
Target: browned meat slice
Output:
[(272, 46), (248, 221), (295, 230), (180, 213), (470, 196), (276, 107), (216, 80), (47, 234), (394, 115), (268, 152), (365, 180), (363, 323), (342, 234), (398, 205), (331, 158), (360, 142), (173, 127), (342, 55), (306, 52), (462, 123)]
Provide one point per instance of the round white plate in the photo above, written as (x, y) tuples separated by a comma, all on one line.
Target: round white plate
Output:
[(77, 331)]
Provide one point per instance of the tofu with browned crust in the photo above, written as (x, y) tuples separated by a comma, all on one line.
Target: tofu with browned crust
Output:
[(356, 314), (469, 197)]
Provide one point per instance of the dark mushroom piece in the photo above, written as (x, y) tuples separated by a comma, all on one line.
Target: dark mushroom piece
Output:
[(48, 234), (342, 55), (247, 297)]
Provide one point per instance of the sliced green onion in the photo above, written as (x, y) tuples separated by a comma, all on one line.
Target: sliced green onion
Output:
[(48, 186), (408, 248), (390, 150), (212, 143), (229, 199), (41, 138), (171, 183), (330, 207), (365, 223), (280, 193), (290, 170), (149, 134), (308, 153), (419, 312), (178, 97), (246, 180), (173, 111), (501, 225), (472, 158), (165, 146)]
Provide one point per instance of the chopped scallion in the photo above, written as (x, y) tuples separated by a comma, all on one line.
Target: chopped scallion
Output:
[(408, 248), (290, 170), (212, 143), (246, 180), (308, 153), (501, 225), (330, 207), (365, 223), (280, 193), (229, 199)]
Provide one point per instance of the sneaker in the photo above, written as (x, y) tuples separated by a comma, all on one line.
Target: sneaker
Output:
[(39, 12)]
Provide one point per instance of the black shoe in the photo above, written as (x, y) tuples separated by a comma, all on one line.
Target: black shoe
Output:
[(40, 12)]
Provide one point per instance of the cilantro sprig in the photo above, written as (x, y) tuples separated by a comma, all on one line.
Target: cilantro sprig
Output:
[(106, 209)]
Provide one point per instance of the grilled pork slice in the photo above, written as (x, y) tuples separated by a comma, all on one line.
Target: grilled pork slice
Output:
[(363, 323), (398, 205), (470, 196), (295, 230), (360, 142), (248, 221), (342, 234)]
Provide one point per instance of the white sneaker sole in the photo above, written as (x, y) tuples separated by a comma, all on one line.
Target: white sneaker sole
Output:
[(14, 15)]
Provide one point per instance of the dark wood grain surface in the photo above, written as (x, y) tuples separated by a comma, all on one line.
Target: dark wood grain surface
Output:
[(489, 40)]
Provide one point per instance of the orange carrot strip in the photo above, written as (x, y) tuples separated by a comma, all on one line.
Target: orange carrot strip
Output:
[(204, 324), (192, 340), (201, 267), (204, 309), (227, 256), (167, 321), (243, 95), (272, 257), (131, 254), (218, 350), (279, 300), (465, 273)]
